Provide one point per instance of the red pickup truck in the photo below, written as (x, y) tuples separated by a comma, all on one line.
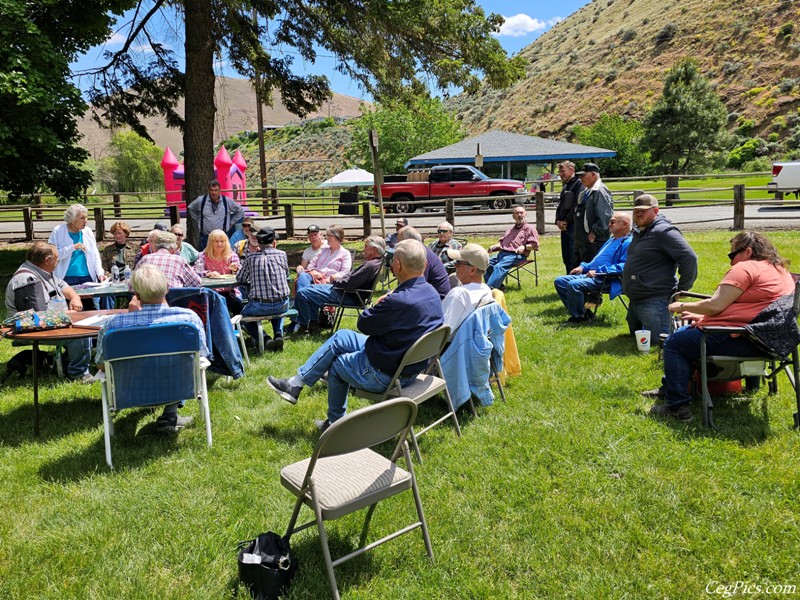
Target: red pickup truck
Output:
[(453, 181)]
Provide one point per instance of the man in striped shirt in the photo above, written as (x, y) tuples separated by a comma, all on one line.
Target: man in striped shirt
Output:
[(149, 307)]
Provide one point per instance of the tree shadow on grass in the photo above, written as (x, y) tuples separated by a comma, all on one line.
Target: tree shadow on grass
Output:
[(621, 344), (131, 447), (56, 419), (542, 299), (291, 434), (734, 418)]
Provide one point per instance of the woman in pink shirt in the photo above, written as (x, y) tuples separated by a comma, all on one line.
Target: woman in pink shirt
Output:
[(757, 277), (217, 260), (333, 260)]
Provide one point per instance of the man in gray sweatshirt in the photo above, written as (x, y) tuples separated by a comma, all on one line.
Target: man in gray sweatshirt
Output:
[(658, 248)]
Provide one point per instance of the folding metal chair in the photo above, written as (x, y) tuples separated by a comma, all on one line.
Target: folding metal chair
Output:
[(593, 300), (524, 265), (344, 475), (152, 365), (358, 300), (425, 385)]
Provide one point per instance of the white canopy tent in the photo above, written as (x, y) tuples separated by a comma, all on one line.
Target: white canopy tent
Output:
[(349, 178)]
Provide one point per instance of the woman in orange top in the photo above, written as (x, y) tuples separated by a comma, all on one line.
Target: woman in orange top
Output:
[(217, 260), (757, 277)]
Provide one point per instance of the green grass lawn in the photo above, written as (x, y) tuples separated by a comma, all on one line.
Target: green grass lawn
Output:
[(567, 490)]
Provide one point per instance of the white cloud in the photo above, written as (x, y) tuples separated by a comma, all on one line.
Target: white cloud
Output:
[(115, 40), (522, 24)]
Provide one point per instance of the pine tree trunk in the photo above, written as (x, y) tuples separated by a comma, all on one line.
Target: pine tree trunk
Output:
[(198, 137)]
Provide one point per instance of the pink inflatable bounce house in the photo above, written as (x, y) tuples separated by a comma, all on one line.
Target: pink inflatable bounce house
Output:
[(229, 173)]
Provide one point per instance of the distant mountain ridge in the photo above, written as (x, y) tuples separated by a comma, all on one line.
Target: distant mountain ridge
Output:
[(236, 111), (610, 56)]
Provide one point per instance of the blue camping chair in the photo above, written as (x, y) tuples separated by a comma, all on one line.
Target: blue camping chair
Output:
[(151, 366)]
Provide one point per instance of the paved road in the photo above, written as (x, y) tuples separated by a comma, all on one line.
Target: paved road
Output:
[(487, 223)]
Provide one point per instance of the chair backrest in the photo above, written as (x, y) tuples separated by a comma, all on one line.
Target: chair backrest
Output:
[(429, 346), (152, 365), (367, 427), (796, 303)]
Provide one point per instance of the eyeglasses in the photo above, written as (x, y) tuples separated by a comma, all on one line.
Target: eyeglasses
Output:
[(462, 263), (178, 235), (732, 255), (442, 231)]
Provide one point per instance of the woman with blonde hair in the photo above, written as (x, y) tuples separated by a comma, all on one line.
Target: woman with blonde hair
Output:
[(218, 260)]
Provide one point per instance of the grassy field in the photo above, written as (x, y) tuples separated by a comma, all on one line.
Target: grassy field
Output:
[(567, 490), (658, 187)]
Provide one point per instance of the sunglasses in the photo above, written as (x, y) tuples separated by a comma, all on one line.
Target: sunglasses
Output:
[(442, 231), (462, 263), (732, 255), (178, 235)]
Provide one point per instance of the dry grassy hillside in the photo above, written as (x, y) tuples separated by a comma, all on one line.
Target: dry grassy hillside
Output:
[(605, 58), (236, 111)]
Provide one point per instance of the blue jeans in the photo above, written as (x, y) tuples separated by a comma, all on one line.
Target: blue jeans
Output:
[(304, 280), (78, 355), (682, 351), (499, 266), (649, 314), (571, 289), (310, 299), (344, 358), (265, 309)]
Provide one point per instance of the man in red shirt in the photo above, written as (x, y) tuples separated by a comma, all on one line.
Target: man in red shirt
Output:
[(513, 247)]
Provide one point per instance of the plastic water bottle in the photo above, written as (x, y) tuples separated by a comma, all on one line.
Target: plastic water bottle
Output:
[(57, 304), (127, 273), (114, 274)]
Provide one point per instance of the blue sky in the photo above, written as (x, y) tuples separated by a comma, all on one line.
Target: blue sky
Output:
[(525, 21)]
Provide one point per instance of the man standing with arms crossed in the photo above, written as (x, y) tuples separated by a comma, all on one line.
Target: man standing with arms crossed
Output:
[(565, 211)]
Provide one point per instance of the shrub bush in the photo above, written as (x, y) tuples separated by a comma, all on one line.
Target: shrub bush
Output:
[(666, 34)]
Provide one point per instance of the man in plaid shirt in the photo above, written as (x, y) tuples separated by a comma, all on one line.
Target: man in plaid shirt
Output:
[(149, 307), (266, 274), (172, 265)]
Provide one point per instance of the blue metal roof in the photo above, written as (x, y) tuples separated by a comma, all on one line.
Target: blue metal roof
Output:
[(502, 146)]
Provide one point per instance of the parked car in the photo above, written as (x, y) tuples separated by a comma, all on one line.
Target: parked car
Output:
[(452, 181), (785, 178)]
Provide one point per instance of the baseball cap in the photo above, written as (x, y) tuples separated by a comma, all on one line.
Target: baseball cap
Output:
[(402, 221), (313, 229), (588, 168), (474, 254), (267, 235), (160, 226), (645, 201)]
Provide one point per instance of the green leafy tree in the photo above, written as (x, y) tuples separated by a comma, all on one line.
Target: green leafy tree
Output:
[(685, 130), (38, 106), (403, 131), (624, 136), (133, 165), (394, 50)]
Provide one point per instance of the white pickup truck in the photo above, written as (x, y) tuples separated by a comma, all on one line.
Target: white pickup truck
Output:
[(785, 178)]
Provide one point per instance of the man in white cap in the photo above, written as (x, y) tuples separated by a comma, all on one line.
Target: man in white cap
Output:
[(470, 263)]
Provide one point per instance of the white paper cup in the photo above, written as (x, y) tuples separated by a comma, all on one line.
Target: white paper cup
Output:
[(643, 340)]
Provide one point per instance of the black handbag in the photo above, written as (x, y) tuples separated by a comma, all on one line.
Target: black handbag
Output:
[(266, 566)]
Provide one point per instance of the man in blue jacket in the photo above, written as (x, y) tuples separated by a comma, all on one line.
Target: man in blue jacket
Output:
[(368, 361), (587, 276)]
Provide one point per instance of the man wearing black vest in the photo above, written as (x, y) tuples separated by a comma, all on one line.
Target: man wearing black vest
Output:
[(214, 211)]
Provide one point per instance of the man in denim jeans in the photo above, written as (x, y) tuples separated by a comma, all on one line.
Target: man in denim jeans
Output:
[(369, 362), (648, 279)]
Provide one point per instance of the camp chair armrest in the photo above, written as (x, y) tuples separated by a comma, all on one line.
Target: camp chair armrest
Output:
[(721, 329)]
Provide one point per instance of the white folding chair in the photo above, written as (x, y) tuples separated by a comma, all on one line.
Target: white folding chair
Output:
[(152, 365)]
